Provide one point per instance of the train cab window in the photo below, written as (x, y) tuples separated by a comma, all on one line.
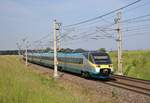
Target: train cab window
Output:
[(102, 59)]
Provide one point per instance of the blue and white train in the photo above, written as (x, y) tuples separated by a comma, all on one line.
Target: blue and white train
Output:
[(89, 64)]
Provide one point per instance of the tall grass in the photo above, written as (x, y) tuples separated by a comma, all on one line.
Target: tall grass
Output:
[(135, 63), (19, 84)]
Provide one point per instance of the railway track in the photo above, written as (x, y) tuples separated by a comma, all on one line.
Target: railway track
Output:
[(132, 84), (128, 83), (132, 79)]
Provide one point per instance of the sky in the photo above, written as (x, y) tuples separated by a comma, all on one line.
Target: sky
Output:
[(33, 20)]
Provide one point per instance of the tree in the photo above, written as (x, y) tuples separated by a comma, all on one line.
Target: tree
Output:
[(47, 49), (79, 50), (102, 50), (67, 50)]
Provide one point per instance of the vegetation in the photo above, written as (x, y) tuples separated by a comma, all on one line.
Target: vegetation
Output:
[(102, 50), (135, 63), (20, 84), (68, 50), (79, 50), (9, 52)]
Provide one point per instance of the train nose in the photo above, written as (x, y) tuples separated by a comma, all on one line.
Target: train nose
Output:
[(105, 71)]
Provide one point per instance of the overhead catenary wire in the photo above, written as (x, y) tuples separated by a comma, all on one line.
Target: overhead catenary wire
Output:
[(128, 21), (42, 38), (126, 11), (135, 8), (110, 29), (125, 21), (98, 17), (137, 34), (105, 29), (84, 34), (139, 27), (139, 17)]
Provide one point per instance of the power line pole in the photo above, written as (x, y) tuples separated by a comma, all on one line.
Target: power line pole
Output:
[(26, 56), (26, 52), (58, 35), (119, 43), (55, 49)]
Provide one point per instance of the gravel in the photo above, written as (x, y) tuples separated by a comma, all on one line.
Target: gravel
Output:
[(96, 91)]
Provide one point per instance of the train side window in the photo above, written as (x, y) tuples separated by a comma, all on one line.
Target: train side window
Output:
[(81, 61), (63, 59), (75, 60)]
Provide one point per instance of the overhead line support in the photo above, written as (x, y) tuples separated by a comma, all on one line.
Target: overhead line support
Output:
[(119, 43), (55, 27)]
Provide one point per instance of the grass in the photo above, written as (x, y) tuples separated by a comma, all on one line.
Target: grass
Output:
[(135, 63), (20, 84)]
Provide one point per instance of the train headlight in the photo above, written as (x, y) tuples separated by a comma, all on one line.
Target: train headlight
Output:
[(110, 65), (98, 66), (97, 69)]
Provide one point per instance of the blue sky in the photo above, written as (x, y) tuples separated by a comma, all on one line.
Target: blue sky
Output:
[(33, 19)]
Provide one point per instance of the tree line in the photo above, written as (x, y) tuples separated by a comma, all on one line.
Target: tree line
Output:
[(66, 50)]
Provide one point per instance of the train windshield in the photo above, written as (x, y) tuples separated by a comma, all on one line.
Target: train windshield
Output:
[(101, 58)]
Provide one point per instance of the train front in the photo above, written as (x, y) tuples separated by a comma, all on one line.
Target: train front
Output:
[(101, 64)]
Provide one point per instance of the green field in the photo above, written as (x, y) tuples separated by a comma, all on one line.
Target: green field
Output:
[(135, 63), (20, 84)]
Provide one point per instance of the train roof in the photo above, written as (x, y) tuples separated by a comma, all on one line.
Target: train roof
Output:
[(63, 54), (59, 54)]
